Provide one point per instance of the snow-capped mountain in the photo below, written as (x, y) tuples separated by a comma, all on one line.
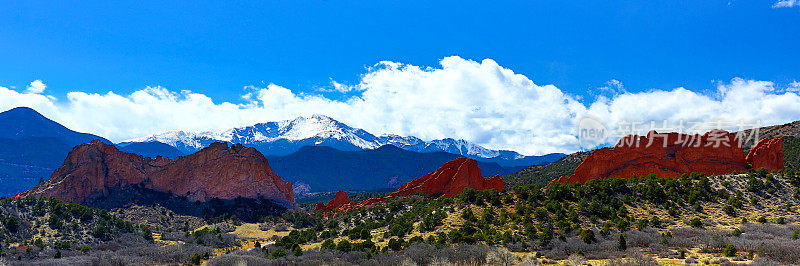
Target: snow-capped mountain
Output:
[(285, 137), (185, 142)]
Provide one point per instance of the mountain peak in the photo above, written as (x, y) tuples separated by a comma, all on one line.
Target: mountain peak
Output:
[(22, 110), (288, 136), (26, 113), (25, 122), (315, 118), (322, 117), (33, 146)]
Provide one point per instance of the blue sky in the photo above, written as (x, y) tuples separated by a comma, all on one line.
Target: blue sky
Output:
[(217, 49), (223, 51)]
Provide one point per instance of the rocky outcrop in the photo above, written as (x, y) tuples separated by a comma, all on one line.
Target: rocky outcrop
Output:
[(447, 181), (371, 201), (768, 153), (218, 171), (663, 154), (339, 200), (450, 179)]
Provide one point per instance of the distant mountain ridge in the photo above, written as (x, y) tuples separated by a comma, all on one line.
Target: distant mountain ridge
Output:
[(150, 149), (322, 169), (33, 147), (23, 122), (285, 137)]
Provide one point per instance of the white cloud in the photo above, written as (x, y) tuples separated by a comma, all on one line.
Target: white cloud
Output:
[(479, 101), (338, 87), (794, 86), (611, 88), (10, 98), (786, 4), (36, 86), (735, 102)]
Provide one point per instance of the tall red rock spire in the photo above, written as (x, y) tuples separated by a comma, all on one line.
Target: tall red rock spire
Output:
[(768, 153), (339, 200)]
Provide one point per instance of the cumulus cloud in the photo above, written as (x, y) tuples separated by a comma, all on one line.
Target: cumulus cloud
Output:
[(794, 86), (481, 102), (732, 105), (36, 86), (338, 87), (786, 4), (610, 89)]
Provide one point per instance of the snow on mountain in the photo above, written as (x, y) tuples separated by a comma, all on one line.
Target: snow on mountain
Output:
[(318, 128), (284, 137), (464, 147), (186, 142)]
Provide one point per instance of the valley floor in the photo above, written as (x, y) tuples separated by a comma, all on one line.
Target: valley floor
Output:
[(742, 218)]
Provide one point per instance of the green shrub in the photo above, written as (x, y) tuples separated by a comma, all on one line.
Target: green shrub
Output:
[(588, 236), (467, 214), (696, 223), (344, 246), (297, 251), (488, 216), (642, 224), (12, 223), (622, 225), (730, 251), (54, 222), (278, 253), (606, 229), (146, 233), (621, 243), (365, 234), (329, 244), (655, 221), (530, 232), (198, 258), (729, 210), (396, 244), (62, 245), (754, 184)]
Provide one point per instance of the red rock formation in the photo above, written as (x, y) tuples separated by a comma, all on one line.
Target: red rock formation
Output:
[(217, 171), (450, 179), (768, 153), (371, 201), (339, 200), (447, 181), (666, 155)]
